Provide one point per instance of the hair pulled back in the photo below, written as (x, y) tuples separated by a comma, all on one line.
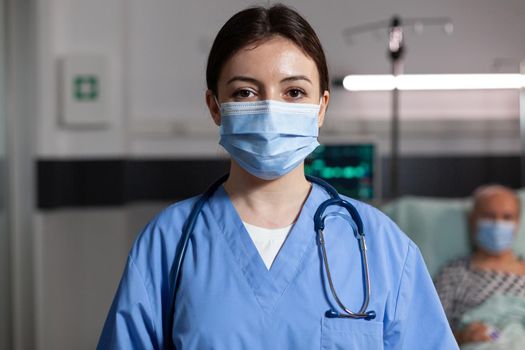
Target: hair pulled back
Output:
[(257, 24)]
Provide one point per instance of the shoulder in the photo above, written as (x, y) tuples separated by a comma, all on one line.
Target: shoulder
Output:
[(390, 250), (172, 216), (159, 238), (378, 226), (457, 264)]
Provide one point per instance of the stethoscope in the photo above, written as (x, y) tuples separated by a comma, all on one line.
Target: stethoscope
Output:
[(319, 224)]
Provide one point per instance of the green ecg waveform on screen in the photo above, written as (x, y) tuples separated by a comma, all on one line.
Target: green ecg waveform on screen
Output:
[(349, 168), (327, 172)]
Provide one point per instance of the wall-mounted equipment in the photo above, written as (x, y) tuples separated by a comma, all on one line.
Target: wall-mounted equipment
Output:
[(352, 168), (83, 91)]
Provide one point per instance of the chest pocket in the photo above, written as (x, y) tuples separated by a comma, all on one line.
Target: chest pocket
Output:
[(340, 333)]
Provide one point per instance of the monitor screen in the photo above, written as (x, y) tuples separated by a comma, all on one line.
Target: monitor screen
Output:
[(350, 168)]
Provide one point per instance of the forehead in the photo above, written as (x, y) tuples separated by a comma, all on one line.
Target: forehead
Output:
[(273, 58), (499, 200)]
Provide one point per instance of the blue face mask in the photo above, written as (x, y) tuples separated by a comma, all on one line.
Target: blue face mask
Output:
[(495, 236), (269, 138)]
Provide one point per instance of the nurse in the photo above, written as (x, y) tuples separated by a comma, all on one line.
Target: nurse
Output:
[(253, 275)]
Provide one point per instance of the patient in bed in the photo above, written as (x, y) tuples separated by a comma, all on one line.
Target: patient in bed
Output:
[(480, 291)]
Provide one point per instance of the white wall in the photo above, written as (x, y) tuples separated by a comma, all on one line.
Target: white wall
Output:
[(76, 26), (157, 53)]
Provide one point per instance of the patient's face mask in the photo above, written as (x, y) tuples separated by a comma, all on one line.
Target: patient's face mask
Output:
[(269, 138), (495, 236)]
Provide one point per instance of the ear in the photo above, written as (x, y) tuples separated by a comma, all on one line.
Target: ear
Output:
[(213, 107), (324, 105)]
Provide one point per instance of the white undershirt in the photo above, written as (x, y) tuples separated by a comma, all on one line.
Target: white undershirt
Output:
[(267, 241)]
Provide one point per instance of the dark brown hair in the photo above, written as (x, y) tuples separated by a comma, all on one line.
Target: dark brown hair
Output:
[(257, 24)]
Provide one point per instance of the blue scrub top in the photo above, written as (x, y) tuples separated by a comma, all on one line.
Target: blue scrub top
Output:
[(228, 299)]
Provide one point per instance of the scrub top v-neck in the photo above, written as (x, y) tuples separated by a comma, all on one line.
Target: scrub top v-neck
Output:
[(267, 285), (267, 241)]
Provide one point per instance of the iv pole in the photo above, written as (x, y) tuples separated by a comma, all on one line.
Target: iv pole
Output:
[(498, 63), (396, 56), (396, 50), (522, 126)]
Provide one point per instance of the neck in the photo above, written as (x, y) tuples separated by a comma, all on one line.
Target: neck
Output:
[(503, 257), (267, 203)]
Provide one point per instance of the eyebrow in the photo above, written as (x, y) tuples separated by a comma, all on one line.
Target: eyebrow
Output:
[(297, 77), (255, 81), (242, 78)]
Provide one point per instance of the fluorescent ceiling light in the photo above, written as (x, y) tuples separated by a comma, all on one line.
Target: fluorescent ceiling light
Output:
[(433, 82)]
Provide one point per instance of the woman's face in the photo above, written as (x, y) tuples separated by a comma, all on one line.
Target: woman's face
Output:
[(275, 69)]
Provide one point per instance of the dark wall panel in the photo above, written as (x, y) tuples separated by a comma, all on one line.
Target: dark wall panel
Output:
[(452, 176), (77, 183), (72, 183)]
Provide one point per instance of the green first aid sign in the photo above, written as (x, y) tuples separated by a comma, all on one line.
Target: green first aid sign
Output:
[(86, 88)]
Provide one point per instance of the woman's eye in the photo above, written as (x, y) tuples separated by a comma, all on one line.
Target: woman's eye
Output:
[(244, 93), (295, 93)]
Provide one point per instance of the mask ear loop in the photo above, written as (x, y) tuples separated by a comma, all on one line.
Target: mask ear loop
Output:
[(320, 107), (217, 102)]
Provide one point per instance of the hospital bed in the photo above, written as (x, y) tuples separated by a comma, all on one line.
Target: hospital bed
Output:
[(440, 227)]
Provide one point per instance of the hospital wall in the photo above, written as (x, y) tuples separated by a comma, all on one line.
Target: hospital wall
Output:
[(156, 55)]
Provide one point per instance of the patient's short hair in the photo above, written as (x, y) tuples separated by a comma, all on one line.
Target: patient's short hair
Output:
[(485, 191)]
